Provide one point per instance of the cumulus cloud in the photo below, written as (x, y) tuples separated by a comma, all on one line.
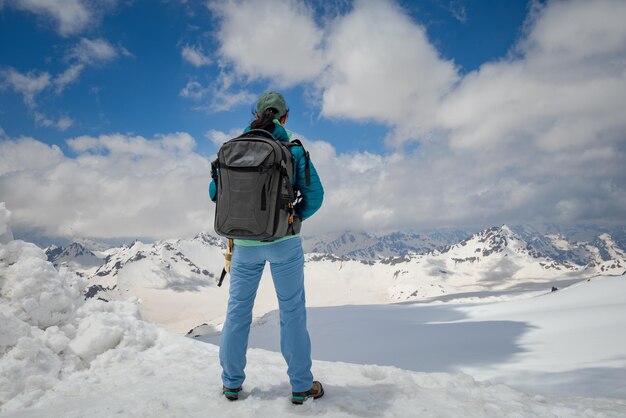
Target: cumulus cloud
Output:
[(371, 63), (27, 154), (284, 44), (539, 135), (195, 56), (120, 185), (382, 67), (116, 186), (562, 92)]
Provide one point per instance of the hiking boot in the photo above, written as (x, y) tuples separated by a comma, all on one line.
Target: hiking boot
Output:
[(316, 391), (231, 394)]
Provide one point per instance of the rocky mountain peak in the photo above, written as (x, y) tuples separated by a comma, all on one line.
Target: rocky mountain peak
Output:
[(489, 241)]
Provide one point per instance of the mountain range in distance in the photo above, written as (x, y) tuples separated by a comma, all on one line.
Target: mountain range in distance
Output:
[(175, 280)]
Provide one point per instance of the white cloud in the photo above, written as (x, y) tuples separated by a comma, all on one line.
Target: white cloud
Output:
[(538, 136), (219, 95), (28, 85), (26, 154), (93, 51), (86, 52), (382, 67), (69, 76), (195, 56), (120, 185), (373, 63), (193, 90), (223, 100), (436, 186), (570, 32), (70, 16), (117, 186), (60, 124), (458, 11), (274, 39), (562, 93), (218, 137)]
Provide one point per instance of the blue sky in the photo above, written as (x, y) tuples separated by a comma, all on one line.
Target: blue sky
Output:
[(138, 90), (418, 114)]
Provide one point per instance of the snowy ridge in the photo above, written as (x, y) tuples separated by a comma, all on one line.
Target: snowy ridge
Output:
[(483, 265), (574, 245), (171, 256), (75, 257), (579, 245), (608, 248), (371, 247)]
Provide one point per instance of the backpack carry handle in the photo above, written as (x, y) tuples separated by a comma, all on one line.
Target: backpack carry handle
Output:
[(259, 132)]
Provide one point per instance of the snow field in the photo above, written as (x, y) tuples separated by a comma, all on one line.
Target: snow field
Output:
[(567, 343)]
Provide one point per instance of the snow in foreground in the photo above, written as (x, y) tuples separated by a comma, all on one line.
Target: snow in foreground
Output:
[(62, 357)]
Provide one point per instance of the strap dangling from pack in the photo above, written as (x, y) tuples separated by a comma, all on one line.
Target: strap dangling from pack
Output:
[(214, 167), (307, 165), (219, 284)]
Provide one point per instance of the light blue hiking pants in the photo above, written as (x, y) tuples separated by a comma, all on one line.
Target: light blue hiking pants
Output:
[(286, 260)]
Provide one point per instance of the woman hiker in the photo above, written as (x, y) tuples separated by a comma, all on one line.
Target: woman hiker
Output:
[(286, 259)]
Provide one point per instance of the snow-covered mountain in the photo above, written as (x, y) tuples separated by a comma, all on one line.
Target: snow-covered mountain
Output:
[(576, 244), (481, 266), (168, 263), (175, 280), (370, 247), (75, 257)]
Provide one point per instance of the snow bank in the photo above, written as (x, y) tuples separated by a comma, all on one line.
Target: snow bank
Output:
[(48, 332), (181, 378)]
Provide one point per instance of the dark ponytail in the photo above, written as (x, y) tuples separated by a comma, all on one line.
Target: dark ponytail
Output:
[(266, 120)]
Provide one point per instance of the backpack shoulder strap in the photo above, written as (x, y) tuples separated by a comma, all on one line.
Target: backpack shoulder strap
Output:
[(307, 165)]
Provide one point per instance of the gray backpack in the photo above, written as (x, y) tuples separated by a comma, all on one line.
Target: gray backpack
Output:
[(255, 198)]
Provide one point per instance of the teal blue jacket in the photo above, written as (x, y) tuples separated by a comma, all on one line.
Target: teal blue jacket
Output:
[(312, 195)]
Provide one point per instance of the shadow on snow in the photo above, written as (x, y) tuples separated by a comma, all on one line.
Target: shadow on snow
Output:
[(412, 337)]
